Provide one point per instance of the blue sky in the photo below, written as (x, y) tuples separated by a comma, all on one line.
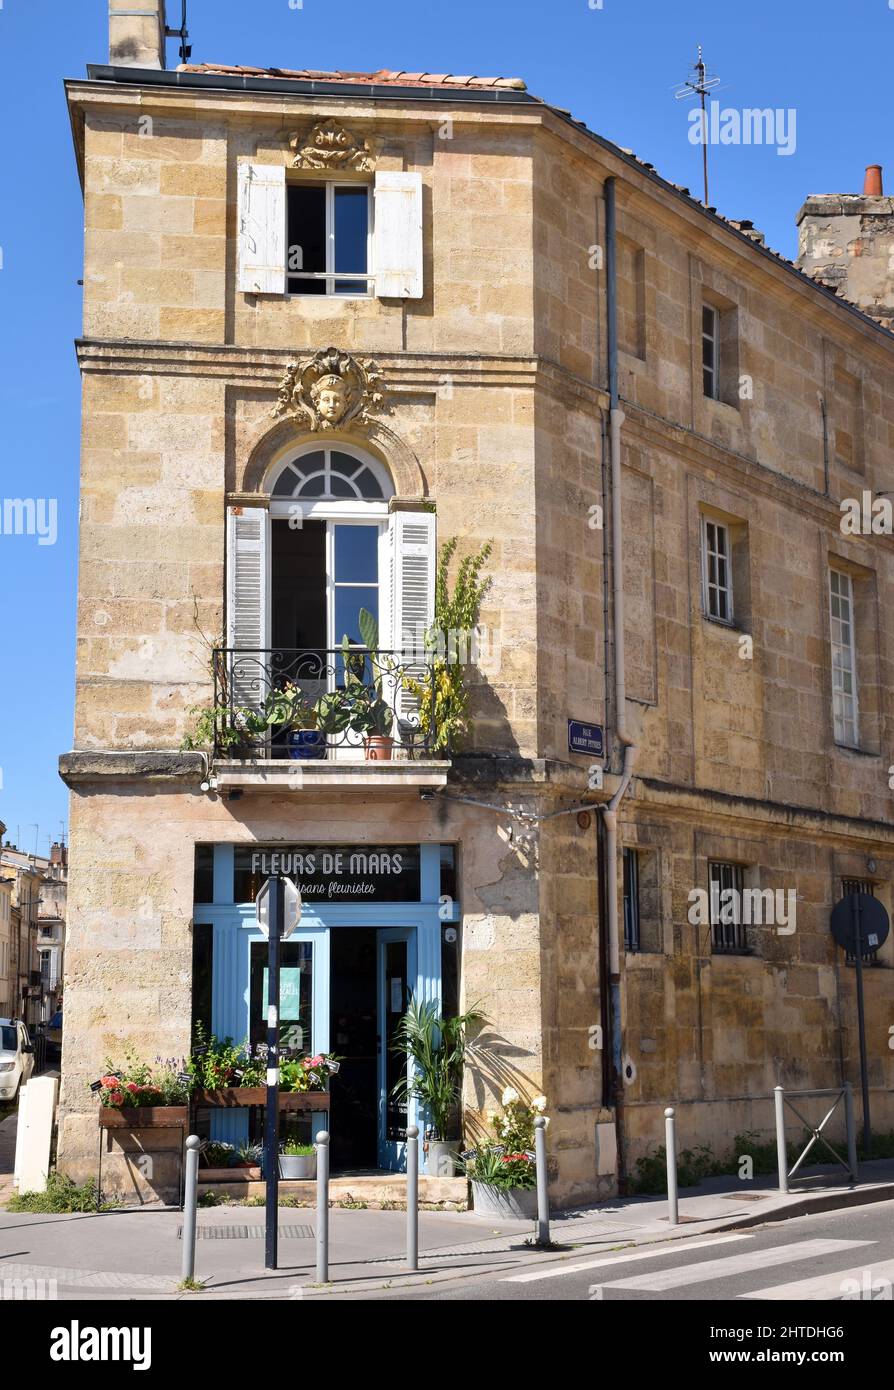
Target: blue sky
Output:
[(615, 67)]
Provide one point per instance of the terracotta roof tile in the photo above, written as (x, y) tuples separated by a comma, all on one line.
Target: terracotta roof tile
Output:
[(384, 78)]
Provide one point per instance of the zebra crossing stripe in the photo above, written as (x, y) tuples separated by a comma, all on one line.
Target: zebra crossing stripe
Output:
[(700, 1272), (867, 1282), (654, 1252)]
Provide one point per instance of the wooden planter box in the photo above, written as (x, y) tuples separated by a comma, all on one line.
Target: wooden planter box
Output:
[(144, 1117), (233, 1097)]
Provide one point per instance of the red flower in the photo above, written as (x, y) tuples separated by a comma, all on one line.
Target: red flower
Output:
[(117, 1097), (133, 1088)]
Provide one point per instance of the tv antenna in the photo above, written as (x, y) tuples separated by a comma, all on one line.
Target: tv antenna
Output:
[(182, 34), (699, 83)]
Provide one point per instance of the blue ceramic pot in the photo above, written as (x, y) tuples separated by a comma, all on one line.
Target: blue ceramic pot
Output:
[(307, 743)]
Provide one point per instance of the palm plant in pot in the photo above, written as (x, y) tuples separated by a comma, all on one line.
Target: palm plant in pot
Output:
[(435, 1049)]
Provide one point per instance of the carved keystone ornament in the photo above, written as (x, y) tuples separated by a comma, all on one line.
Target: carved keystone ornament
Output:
[(330, 390), (330, 146)]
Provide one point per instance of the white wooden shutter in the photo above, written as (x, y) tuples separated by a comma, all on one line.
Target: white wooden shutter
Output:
[(247, 531), (412, 590), (398, 238), (262, 229)]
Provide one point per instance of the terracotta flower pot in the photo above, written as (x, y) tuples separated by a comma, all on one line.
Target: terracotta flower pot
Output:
[(378, 748)]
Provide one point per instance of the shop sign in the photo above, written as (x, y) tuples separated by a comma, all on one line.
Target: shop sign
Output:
[(332, 873)]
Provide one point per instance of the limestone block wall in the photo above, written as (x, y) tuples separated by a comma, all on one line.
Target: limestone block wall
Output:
[(713, 1034)]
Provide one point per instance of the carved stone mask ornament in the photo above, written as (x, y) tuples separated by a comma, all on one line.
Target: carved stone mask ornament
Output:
[(330, 390), (330, 146)]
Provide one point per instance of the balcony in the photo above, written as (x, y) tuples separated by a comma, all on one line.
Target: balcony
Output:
[(346, 717)]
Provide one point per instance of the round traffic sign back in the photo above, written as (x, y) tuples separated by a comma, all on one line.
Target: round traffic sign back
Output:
[(860, 914)]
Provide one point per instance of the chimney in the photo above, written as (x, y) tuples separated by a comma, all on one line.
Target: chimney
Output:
[(137, 33), (846, 242)]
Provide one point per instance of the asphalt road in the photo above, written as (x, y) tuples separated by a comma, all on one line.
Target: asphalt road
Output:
[(829, 1256)]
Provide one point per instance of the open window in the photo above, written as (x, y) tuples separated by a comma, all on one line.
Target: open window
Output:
[(329, 237)]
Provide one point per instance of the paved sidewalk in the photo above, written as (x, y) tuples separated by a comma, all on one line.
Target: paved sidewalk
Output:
[(127, 1254)]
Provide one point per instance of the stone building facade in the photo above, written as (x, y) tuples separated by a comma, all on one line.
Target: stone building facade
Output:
[(653, 419)]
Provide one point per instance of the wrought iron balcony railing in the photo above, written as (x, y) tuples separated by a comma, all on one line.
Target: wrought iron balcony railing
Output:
[(344, 703)]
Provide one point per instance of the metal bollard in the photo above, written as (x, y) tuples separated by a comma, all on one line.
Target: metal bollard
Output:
[(542, 1181), (190, 1205), (412, 1197), (670, 1148), (781, 1154), (851, 1127), (322, 1146)]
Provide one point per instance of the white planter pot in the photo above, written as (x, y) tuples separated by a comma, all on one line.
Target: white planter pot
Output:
[(441, 1159), (515, 1203), (297, 1166)]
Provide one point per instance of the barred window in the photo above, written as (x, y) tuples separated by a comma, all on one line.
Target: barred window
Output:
[(631, 900), (728, 932)]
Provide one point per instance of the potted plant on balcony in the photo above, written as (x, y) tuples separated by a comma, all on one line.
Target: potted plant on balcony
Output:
[(435, 1049), (503, 1172), (441, 693), (228, 730), (297, 1160), (290, 710)]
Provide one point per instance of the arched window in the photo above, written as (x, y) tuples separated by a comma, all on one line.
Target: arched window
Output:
[(331, 475)]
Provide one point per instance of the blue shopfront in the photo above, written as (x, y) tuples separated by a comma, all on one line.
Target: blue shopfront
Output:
[(379, 924)]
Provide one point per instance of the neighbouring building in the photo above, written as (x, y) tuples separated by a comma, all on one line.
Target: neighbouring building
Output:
[(51, 916), (24, 875), (333, 321)]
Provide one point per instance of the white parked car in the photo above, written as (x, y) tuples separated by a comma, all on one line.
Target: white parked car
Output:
[(16, 1057)]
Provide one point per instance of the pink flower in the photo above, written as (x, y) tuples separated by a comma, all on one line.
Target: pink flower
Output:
[(117, 1097)]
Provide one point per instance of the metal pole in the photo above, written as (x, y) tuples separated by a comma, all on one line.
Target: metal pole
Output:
[(781, 1153), (542, 1180), (670, 1148), (322, 1147), (851, 1131), (271, 1118), (412, 1197), (190, 1205), (861, 1026)]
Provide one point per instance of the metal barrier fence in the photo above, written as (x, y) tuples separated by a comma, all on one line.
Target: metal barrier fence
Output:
[(783, 1098)]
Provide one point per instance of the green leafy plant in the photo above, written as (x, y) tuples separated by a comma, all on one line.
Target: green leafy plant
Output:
[(359, 704), (441, 693), (219, 1063), (435, 1047), (497, 1167), (61, 1195), (293, 1147), (216, 1153)]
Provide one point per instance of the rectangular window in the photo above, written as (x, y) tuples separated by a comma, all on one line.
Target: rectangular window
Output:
[(631, 900), (845, 714), (711, 351), (725, 893), (859, 885), (328, 238), (717, 578)]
